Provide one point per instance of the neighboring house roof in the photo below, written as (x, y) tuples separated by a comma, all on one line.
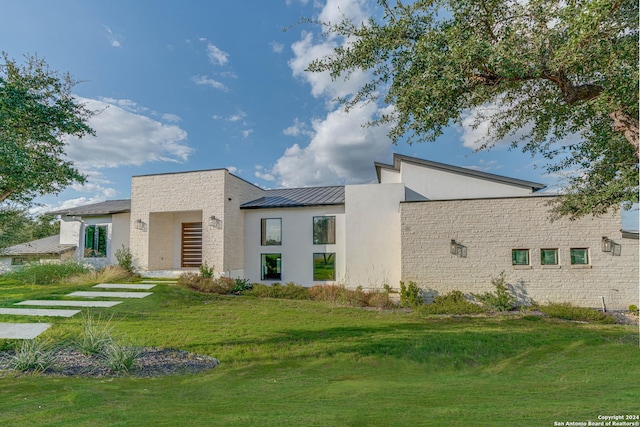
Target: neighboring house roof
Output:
[(630, 234), (47, 246), (399, 158), (103, 208), (298, 197)]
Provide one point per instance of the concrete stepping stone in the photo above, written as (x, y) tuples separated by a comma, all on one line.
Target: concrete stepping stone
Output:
[(22, 331), (164, 282), (62, 303), (108, 294), (38, 312), (122, 286)]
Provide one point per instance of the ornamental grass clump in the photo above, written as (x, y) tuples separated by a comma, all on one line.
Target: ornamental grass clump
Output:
[(121, 357), (454, 302), (567, 311), (46, 273), (33, 356), (96, 334)]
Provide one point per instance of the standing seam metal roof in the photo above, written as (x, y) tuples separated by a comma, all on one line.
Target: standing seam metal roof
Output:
[(298, 197), (103, 208)]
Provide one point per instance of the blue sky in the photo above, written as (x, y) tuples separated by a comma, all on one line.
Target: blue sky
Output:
[(210, 84)]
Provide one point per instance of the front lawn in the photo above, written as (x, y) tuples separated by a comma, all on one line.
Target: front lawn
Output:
[(299, 363)]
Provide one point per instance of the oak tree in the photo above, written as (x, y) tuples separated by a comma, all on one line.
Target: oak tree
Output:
[(556, 77), (37, 112)]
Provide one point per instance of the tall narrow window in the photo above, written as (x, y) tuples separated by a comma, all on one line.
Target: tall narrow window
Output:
[(520, 256), (549, 256), (271, 231), (324, 266), (324, 230), (579, 256), (271, 267), (95, 241)]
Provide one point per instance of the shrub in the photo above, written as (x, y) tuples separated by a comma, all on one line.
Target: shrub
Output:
[(121, 357), (633, 308), (206, 271), (125, 259), (110, 273), (340, 295), (96, 334), (33, 355), (47, 273), (454, 302), (241, 286), (379, 299), (567, 311), (276, 290), (410, 295), (501, 299), (221, 285)]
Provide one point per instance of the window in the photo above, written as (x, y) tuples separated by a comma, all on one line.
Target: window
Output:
[(549, 256), (271, 267), (95, 241), (520, 256), (19, 261), (324, 266), (324, 230), (271, 231), (579, 256)]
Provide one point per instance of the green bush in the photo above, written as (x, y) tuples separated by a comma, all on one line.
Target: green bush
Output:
[(206, 271), (567, 311), (501, 299), (276, 290), (241, 286), (96, 334), (125, 258), (410, 295), (47, 273), (121, 357), (454, 302), (633, 308)]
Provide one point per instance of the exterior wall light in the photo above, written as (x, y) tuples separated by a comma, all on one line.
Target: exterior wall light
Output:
[(215, 221), (458, 249), (608, 245), (140, 225)]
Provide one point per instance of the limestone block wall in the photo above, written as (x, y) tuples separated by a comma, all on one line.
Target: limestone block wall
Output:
[(160, 201), (490, 229)]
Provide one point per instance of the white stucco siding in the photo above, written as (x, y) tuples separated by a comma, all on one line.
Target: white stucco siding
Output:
[(434, 184), (120, 233), (490, 229), (70, 228), (373, 234), (389, 176), (297, 247)]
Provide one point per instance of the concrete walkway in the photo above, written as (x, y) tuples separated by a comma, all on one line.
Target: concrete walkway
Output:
[(63, 303), (29, 331), (91, 294), (122, 286), (22, 331), (39, 312)]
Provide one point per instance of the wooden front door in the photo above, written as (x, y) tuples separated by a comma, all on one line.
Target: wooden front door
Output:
[(191, 244)]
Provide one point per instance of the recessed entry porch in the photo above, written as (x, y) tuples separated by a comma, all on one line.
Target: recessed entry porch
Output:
[(175, 240)]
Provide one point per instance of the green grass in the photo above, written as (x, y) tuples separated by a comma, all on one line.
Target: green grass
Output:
[(299, 363)]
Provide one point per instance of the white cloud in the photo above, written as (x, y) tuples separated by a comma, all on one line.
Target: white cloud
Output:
[(237, 117), (277, 47), (171, 118), (341, 151), (207, 81), (216, 56), (263, 174), (113, 38), (125, 138), (298, 128), (246, 133)]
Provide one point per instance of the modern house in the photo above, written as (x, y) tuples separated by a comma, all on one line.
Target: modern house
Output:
[(441, 226)]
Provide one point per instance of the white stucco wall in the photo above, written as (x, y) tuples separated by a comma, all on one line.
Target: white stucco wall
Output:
[(491, 228), (70, 228), (297, 247), (435, 184), (373, 235)]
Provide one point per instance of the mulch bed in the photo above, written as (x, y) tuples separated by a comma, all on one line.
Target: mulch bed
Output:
[(152, 362)]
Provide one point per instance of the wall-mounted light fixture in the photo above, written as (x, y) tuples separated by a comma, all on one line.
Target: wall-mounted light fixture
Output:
[(611, 247), (215, 221), (458, 249), (140, 225)]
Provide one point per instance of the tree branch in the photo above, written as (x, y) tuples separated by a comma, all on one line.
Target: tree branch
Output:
[(627, 126)]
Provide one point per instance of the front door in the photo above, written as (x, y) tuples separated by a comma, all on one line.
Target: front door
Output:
[(191, 244)]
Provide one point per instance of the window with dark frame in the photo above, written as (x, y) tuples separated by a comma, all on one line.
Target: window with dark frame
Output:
[(324, 266), (95, 241), (324, 230), (271, 266), (271, 231)]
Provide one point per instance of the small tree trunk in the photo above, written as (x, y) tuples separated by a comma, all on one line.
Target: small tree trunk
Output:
[(626, 125)]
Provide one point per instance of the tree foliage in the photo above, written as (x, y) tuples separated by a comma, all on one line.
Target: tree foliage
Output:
[(37, 113), (560, 78), (17, 226)]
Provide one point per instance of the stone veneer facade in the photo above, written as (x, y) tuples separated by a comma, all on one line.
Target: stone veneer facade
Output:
[(491, 228), (162, 202)]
